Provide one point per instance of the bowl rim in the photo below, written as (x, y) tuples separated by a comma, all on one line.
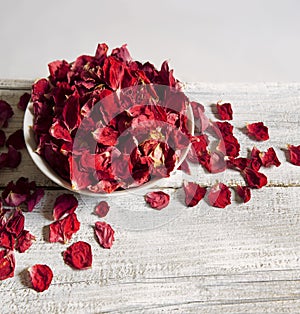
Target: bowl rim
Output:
[(45, 168)]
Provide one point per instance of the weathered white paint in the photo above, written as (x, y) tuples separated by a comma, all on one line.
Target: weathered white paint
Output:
[(242, 259)]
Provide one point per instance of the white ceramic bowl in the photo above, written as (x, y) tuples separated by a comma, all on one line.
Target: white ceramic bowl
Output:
[(53, 176)]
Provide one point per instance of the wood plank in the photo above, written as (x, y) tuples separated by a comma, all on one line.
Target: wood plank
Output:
[(245, 257)]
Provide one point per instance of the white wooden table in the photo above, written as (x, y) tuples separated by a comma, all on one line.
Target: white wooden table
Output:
[(242, 259)]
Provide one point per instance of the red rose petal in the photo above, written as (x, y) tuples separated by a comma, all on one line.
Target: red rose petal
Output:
[(158, 199), (2, 138), (40, 277), (71, 112), (224, 111), (78, 255), (6, 113), (258, 131), (269, 158), (15, 223), (102, 209), (219, 195), (7, 240), (34, 198), (39, 89), (24, 241), (105, 234), (23, 101), (244, 193), (106, 136), (201, 120), (194, 193), (16, 140), (63, 230), (294, 154), (65, 204), (254, 179), (185, 167), (7, 264)]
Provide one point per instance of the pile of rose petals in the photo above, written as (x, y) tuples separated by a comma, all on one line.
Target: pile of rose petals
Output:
[(107, 122)]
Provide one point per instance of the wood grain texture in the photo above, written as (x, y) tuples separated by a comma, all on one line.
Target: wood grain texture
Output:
[(242, 259)]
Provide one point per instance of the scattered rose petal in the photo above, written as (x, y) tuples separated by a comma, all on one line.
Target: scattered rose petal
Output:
[(6, 113), (63, 230), (158, 199), (7, 264), (15, 223), (16, 140), (7, 240), (258, 131), (24, 241), (40, 277), (194, 193), (34, 198), (65, 204), (254, 179), (105, 234), (11, 159), (224, 111), (269, 158), (2, 138), (102, 209), (244, 193), (78, 255), (185, 167), (294, 154), (24, 100), (219, 195)]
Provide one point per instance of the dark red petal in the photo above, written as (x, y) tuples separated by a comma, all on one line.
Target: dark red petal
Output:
[(105, 234), (269, 158), (71, 112), (65, 204), (244, 193), (59, 131), (16, 140), (59, 70), (194, 193), (6, 113), (258, 131), (240, 163), (15, 224), (224, 111), (7, 264), (78, 255), (40, 277), (34, 198), (219, 195), (24, 100), (24, 241), (113, 71), (2, 138), (158, 199), (294, 154), (7, 240), (102, 209), (122, 54), (254, 179), (63, 230), (39, 89), (13, 195), (106, 136)]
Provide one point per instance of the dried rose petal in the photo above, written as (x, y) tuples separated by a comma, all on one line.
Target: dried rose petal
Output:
[(15, 223), (2, 138), (11, 159), (102, 209), (63, 230), (240, 163), (78, 255), (105, 234), (269, 158), (158, 199), (294, 154), (40, 277), (244, 193), (224, 111), (194, 193), (34, 198), (185, 167), (6, 112), (258, 131), (24, 241), (65, 204), (254, 179), (201, 120), (255, 160), (7, 264), (7, 240), (16, 140), (219, 195), (24, 100)]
